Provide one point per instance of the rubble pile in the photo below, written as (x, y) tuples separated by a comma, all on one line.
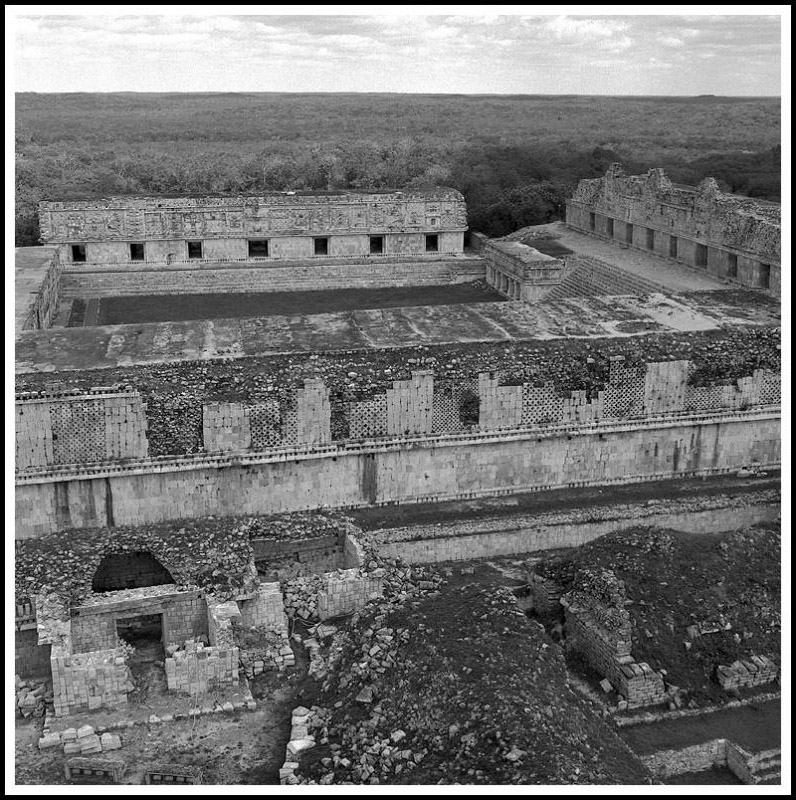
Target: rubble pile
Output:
[(262, 649), (301, 597), (31, 697), (695, 601), (415, 689)]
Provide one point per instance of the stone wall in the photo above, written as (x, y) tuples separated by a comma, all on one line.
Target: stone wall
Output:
[(72, 428), (226, 224), (757, 671), (195, 669), (31, 659), (88, 681), (431, 470), (265, 609), (93, 624), (503, 537), (734, 238), (598, 628), (347, 590), (108, 280), (696, 758), (44, 303)]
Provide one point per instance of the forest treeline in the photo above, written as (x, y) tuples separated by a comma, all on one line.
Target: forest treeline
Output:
[(513, 170)]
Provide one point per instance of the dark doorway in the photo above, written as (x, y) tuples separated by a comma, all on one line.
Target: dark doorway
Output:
[(609, 227), (765, 276), (592, 221), (629, 234), (701, 255), (673, 247), (732, 265), (145, 633), (650, 239)]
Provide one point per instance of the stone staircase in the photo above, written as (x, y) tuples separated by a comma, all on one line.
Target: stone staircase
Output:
[(766, 767), (289, 278), (589, 277)]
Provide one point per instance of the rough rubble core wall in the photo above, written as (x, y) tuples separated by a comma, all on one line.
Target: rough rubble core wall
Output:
[(282, 561), (598, 627), (758, 670), (88, 681), (429, 471), (94, 624), (44, 307), (224, 224), (646, 211), (72, 429)]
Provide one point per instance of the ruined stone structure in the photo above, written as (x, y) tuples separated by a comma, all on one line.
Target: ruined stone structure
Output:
[(734, 238), (88, 463), (274, 226)]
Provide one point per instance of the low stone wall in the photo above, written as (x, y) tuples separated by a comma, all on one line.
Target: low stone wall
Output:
[(517, 534), (245, 277), (347, 590), (44, 303), (89, 681), (697, 758), (195, 669), (758, 670), (264, 609), (545, 597)]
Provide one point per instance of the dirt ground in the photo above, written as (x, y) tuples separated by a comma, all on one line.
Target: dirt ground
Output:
[(245, 748)]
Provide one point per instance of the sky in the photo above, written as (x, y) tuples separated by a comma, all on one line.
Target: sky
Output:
[(396, 49)]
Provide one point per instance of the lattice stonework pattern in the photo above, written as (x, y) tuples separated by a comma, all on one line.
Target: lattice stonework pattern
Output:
[(368, 418), (624, 395), (78, 430), (266, 425), (541, 405)]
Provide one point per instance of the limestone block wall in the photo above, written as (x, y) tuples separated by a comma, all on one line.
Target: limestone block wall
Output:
[(269, 275), (74, 428), (347, 590), (44, 305), (196, 669), (376, 473), (94, 623), (226, 427), (265, 609), (410, 405), (696, 758), (310, 423), (732, 237), (758, 670), (88, 681), (223, 619)]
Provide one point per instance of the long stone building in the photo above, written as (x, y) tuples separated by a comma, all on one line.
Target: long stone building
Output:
[(277, 225), (734, 238)]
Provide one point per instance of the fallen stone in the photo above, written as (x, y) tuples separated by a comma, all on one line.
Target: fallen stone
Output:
[(86, 730), (365, 696), (51, 740), (296, 746), (605, 685), (515, 754)]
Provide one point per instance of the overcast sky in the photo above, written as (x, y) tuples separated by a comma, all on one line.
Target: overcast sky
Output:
[(556, 54)]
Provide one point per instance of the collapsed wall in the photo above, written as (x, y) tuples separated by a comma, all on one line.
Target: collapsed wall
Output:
[(598, 628)]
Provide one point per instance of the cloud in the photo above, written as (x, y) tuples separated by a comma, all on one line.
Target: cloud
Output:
[(399, 52)]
